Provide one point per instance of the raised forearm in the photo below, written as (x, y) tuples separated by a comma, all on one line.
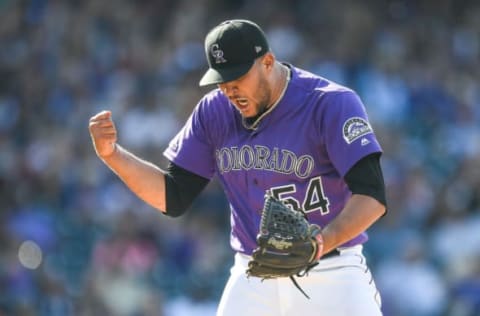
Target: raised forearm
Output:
[(146, 180), (143, 178)]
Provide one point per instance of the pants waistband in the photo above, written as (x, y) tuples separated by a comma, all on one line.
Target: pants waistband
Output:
[(331, 254)]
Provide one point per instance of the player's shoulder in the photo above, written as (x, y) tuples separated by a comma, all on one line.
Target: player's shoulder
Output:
[(315, 84), (213, 102), (324, 94), (212, 98), (214, 109)]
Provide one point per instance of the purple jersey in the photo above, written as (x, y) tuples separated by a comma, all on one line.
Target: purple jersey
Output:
[(301, 150)]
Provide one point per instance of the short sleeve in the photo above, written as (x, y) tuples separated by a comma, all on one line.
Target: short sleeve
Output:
[(191, 148), (347, 133)]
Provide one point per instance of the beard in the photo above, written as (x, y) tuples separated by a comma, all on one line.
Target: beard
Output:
[(264, 95)]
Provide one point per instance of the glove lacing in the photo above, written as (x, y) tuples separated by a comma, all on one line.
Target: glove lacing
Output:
[(302, 274)]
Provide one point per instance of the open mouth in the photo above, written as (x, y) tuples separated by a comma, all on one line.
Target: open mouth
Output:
[(242, 102)]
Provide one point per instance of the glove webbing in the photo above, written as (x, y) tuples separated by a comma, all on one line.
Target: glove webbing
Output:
[(300, 274)]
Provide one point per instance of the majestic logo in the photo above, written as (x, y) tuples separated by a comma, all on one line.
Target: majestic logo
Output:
[(217, 53), (355, 128), (263, 158)]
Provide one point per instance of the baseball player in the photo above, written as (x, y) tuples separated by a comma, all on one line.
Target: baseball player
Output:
[(270, 126)]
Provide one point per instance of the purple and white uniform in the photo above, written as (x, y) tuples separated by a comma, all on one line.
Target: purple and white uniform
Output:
[(300, 150)]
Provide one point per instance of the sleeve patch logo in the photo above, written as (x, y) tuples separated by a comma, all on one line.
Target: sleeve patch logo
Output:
[(355, 128)]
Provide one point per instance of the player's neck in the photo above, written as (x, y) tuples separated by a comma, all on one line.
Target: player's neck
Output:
[(280, 84)]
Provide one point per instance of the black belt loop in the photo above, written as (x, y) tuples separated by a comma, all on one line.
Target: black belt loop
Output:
[(335, 252)]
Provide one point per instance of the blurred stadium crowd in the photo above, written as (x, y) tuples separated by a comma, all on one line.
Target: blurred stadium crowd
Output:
[(101, 251)]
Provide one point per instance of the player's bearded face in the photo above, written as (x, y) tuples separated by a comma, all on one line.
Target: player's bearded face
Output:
[(250, 94)]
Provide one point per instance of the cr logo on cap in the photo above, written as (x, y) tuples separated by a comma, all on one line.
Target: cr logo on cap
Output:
[(217, 53)]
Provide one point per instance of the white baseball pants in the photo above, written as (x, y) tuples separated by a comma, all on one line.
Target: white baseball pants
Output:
[(339, 286)]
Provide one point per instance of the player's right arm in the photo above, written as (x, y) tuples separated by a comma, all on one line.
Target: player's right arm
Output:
[(143, 178), (150, 183)]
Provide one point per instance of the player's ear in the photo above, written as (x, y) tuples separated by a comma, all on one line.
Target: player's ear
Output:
[(268, 60)]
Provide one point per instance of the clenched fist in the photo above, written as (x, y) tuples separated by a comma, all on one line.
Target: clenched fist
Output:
[(103, 133)]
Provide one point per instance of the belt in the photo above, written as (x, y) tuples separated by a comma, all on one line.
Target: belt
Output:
[(333, 253)]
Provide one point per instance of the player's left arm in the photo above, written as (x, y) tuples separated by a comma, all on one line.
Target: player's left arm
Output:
[(366, 205)]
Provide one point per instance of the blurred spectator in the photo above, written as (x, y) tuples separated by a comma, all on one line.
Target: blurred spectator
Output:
[(465, 290), (410, 283)]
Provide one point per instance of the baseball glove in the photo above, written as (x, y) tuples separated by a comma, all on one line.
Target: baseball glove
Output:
[(288, 245)]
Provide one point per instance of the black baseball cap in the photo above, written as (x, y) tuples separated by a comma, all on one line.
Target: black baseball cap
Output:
[(231, 48)]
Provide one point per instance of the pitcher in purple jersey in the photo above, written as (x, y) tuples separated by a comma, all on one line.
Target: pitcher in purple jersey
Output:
[(269, 125)]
